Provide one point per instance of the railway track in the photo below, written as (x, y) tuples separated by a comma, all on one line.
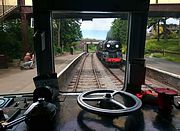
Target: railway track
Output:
[(116, 75), (91, 74), (86, 76), (82, 77)]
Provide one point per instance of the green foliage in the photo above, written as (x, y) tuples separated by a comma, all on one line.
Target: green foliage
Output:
[(11, 39), (162, 34), (69, 31), (152, 21), (152, 45), (75, 43), (66, 33), (168, 45), (118, 31), (170, 57), (164, 31), (173, 35), (91, 48), (57, 50), (124, 49)]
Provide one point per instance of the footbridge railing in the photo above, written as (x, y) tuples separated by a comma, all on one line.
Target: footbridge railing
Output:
[(7, 6)]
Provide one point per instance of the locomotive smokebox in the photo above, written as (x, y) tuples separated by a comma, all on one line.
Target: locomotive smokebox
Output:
[(137, 71)]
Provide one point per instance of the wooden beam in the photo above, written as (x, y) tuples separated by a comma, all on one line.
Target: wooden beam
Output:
[(164, 7)]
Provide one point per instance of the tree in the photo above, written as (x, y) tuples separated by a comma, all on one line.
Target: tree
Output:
[(154, 21), (118, 30), (109, 35), (66, 31), (179, 32), (11, 39), (70, 30)]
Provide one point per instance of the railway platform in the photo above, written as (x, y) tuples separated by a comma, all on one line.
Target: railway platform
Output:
[(14, 80), (164, 65)]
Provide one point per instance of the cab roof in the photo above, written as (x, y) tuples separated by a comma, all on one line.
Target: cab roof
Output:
[(92, 5)]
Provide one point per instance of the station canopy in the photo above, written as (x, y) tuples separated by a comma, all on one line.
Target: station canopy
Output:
[(90, 7)]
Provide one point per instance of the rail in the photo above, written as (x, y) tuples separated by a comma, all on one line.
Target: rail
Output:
[(115, 76), (79, 74), (94, 72), (81, 70)]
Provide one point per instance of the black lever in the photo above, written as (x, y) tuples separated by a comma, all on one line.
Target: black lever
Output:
[(37, 110), (6, 125)]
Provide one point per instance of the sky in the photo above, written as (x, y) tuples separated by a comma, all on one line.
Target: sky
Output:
[(171, 20), (98, 28)]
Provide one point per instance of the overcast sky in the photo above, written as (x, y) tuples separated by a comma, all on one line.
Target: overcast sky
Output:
[(97, 24), (172, 21), (98, 28)]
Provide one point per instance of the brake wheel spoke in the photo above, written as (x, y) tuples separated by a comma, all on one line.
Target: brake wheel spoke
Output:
[(92, 98), (118, 104)]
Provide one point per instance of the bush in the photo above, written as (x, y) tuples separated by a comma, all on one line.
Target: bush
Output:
[(10, 47), (152, 45), (124, 48), (11, 39), (57, 50), (170, 45)]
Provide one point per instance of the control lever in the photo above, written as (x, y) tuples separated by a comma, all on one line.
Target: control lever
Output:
[(6, 125)]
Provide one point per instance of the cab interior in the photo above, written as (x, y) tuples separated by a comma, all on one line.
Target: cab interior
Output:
[(53, 109)]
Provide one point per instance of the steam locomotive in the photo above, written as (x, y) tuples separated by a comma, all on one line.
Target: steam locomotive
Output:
[(109, 53)]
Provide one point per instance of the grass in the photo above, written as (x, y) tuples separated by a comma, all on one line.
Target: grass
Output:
[(168, 45), (91, 48)]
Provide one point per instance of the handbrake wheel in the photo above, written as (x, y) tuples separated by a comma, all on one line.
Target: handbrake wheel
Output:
[(108, 104)]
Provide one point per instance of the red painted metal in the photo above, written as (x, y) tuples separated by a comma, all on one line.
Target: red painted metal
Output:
[(113, 59), (165, 99), (166, 91), (148, 97)]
